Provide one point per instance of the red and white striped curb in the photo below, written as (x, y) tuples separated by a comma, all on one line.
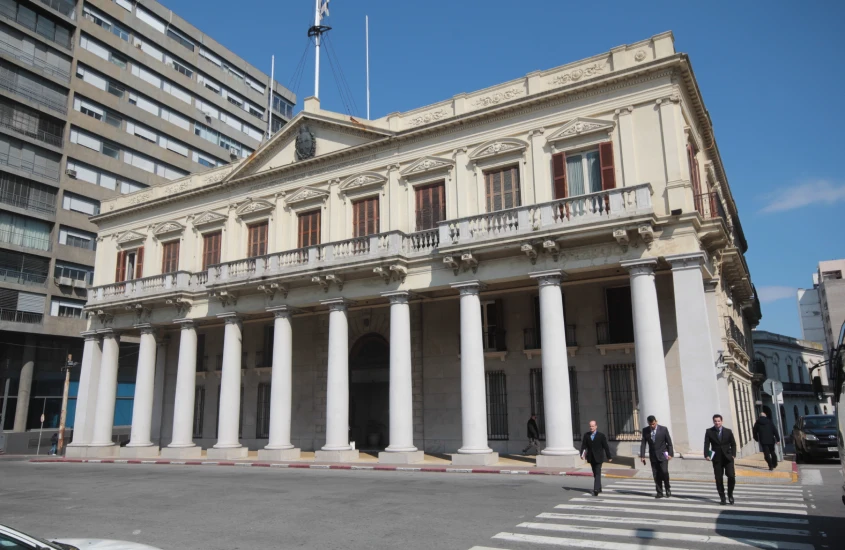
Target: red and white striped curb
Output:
[(301, 465)]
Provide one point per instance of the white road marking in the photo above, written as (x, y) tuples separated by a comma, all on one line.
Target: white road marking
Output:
[(646, 533), (715, 525), (704, 484), (678, 513), (703, 491), (811, 477), (573, 543), (676, 504), (713, 500)]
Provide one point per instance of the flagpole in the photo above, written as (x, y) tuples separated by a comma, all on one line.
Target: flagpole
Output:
[(317, 42), (367, 34), (270, 106)]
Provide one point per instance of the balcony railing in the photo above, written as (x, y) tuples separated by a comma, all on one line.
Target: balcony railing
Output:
[(801, 387), (524, 220), (28, 202), (605, 337), (29, 166), (29, 59), (531, 338), (11, 85), (68, 9), (22, 277), (735, 334), (14, 316), (40, 135), (709, 205), (27, 241), (70, 276)]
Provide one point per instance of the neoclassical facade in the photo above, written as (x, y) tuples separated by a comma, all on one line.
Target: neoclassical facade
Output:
[(565, 243)]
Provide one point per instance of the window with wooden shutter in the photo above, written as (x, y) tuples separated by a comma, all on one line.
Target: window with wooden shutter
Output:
[(257, 245), (120, 270), (502, 188), (559, 175), (365, 217), (211, 249), (695, 174), (309, 228), (139, 262), (608, 171), (431, 205), (170, 257)]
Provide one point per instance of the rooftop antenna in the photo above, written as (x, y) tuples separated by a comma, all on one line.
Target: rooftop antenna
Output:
[(270, 106), (367, 34), (320, 7)]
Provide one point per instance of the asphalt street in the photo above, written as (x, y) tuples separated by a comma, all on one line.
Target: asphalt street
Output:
[(219, 507)]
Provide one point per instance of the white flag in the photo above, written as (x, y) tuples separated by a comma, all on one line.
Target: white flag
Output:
[(324, 9)]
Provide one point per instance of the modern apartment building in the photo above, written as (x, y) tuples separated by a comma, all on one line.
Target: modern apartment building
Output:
[(822, 308), (98, 98)]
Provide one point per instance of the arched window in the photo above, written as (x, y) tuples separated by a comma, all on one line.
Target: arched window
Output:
[(816, 407), (783, 418), (806, 409), (776, 364), (801, 369), (789, 369), (825, 408), (795, 411)]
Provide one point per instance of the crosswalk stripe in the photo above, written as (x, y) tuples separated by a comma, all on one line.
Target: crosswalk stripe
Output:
[(693, 505), (779, 489), (574, 543), (713, 500), (678, 513), (689, 493), (644, 533), (715, 525), (706, 486)]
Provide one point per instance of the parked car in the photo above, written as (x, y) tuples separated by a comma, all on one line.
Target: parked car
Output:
[(815, 437), (13, 538)]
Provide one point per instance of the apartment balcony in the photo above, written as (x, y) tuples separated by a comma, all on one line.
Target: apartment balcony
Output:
[(709, 205), (72, 278), (37, 64), (30, 201), (736, 339), (68, 9), (15, 316), (532, 344), (15, 277), (613, 339), (12, 85)]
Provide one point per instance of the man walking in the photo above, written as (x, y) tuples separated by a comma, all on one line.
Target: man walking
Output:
[(533, 436), (660, 452), (54, 444), (720, 449), (766, 434), (594, 449)]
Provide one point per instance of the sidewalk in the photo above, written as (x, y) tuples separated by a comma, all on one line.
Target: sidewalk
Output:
[(751, 471)]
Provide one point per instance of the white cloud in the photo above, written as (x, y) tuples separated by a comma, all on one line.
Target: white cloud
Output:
[(769, 294), (805, 194)]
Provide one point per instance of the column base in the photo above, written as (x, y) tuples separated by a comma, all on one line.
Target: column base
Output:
[(75, 451), (350, 455), (227, 453), (182, 452), (150, 451), (107, 451), (557, 461), (482, 459), (402, 457), (279, 454)]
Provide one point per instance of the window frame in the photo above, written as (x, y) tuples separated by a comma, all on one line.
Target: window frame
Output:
[(316, 228), (169, 256), (429, 186), (208, 253), (487, 172), (257, 238)]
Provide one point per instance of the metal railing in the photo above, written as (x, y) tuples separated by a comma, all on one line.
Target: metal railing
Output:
[(495, 340), (27, 202), (29, 59), (15, 316), (11, 85), (22, 277), (40, 135), (29, 166), (709, 205), (605, 337), (68, 9), (735, 334), (531, 338), (10, 12), (27, 241)]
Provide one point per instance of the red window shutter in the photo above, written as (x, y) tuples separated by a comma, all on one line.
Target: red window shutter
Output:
[(608, 172), (120, 271), (559, 175), (139, 263)]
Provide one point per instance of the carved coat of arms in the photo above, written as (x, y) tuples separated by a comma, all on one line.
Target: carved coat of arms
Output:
[(306, 145)]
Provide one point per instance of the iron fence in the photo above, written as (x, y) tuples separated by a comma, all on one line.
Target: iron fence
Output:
[(622, 399), (497, 406), (21, 277), (16, 316)]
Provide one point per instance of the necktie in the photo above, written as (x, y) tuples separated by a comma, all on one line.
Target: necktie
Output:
[(593, 436), (654, 431), (720, 434)]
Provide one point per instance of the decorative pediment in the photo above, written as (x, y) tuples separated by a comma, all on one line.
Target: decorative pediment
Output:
[(255, 207), (427, 164), (208, 218), (359, 181), (130, 237), (580, 126), (498, 147), (307, 194), (167, 228)]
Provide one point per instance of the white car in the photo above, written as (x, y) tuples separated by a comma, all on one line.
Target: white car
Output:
[(10, 539)]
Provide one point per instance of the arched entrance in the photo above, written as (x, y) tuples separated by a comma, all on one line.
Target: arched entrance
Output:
[(369, 392)]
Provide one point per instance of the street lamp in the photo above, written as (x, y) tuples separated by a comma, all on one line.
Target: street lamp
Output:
[(69, 365)]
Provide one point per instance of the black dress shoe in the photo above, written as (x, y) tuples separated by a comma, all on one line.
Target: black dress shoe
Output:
[(731, 499), (659, 495), (595, 493), (668, 493), (723, 501)]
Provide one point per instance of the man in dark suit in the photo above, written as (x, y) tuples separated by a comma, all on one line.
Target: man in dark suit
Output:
[(720, 448), (660, 452), (594, 449), (766, 434), (533, 436)]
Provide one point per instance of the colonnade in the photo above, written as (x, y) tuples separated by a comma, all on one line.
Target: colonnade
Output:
[(98, 381)]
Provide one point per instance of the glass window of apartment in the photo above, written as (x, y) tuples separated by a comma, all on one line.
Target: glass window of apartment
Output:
[(431, 205), (33, 123), (130, 265), (365, 217), (23, 269), (22, 193), (78, 203), (502, 188), (21, 307), (583, 172), (180, 68), (101, 20), (102, 178), (170, 257), (178, 37), (211, 249), (309, 228), (257, 244), (24, 231), (74, 272), (62, 307), (77, 238)]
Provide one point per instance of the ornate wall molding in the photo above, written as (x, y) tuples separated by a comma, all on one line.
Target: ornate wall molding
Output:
[(581, 126), (208, 218), (362, 181), (497, 97), (577, 74), (427, 118), (497, 147), (307, 194), (426, 165)]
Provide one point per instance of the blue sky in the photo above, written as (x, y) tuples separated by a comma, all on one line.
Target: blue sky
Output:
[(771, 75)]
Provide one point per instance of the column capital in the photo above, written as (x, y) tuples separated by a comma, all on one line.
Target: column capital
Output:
[(550, 277), (692, 260), (710, 285), (186, 323), (229, 318), (643, 266), (89, 335), (336, 304), (146, 328), (397, 296), (284, 311), (107, 333), (469, 288)]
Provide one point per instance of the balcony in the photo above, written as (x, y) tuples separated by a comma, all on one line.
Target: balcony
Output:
[(610, 340), (736, 339), (31, 201), (30, 167), (38, 64), (12, 85), (26, 240), (709, 205), (532, 345), (800, 387), (68, 9), (16, 277), (14, 316)]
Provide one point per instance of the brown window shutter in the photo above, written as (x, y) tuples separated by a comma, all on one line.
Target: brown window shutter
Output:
[(139, 263), (695, 175), (170, 257), (211, 249), (365, 217), (608, 171), (120, 270), (257, 242), (502, 189), (309, 229), (431, 205), (559, 175)]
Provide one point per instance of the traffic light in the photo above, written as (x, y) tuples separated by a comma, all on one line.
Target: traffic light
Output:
[(818, 389)]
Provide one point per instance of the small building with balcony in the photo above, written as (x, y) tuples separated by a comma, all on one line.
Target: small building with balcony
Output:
[(564, 244)]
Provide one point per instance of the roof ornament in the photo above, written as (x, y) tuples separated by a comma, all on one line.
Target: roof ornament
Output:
[(306, 145)]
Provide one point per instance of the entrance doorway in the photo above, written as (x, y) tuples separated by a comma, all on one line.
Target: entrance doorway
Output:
[(369, 392)]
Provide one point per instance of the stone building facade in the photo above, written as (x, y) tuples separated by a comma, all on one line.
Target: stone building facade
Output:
[(565, 243)]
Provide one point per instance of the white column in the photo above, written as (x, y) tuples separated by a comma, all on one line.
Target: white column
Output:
[(627, 145), (557, 401), (279, 446), (158, 388), (337, 446), (101, 441), (182, 439), (474, 450), (142, 406), (401, 449), (710, 300), (652, 386), (86, 396), (695, 346), (25, 384), (229, 416)]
